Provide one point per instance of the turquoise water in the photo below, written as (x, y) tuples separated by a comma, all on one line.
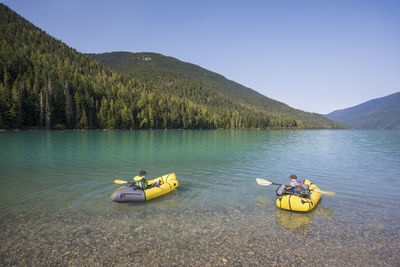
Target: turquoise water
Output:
[(56, 206)]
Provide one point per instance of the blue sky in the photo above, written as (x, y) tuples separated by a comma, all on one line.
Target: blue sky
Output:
[(317, 56)]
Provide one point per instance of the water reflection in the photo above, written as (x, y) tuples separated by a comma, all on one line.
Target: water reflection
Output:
[(294, 220), (299, 220)]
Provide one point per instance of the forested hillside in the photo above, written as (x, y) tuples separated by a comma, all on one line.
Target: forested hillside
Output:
[(46, 84), (146, 66), (379, 113)]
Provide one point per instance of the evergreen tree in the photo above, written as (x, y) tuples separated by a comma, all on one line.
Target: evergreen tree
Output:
[(41, 119), (69, 107), (16, 107), (49, 104)]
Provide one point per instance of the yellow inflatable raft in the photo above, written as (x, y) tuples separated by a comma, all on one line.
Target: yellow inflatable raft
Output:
[(296, 203), (167, 183)]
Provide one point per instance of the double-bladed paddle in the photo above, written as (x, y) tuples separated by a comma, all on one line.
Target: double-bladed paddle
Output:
[(264, 182), (120, 181), (126, 182)]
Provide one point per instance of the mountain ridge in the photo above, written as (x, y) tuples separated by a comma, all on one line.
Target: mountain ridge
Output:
[(377, 113), (141, 64), (124, 62)]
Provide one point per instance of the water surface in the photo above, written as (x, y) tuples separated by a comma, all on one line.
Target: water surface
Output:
[(56, 206)]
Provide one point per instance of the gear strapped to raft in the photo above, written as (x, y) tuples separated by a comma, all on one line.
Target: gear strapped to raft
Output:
[(301, 191), (135, 186)]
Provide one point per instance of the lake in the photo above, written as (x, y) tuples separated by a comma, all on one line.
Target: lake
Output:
[(56, 207)]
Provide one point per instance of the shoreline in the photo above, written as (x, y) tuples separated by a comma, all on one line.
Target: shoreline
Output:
[(172, 129)]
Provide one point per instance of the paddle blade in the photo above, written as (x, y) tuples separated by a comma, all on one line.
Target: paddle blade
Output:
[(324, 192), (120, 182), (263, 182)]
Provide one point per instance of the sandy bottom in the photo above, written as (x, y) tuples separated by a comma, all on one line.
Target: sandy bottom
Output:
[(194, 237)]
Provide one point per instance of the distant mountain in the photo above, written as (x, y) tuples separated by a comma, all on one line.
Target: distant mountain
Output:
[(147, 66), (379, 113), (46, 84)]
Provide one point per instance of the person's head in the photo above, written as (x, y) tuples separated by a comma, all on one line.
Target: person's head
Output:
[(142, 173), (293, 177)]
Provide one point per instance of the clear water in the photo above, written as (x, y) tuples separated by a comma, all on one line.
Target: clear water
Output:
[(56, 207)]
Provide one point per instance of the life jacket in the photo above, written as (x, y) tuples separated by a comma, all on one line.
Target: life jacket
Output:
[(140, 182), (297, 183)]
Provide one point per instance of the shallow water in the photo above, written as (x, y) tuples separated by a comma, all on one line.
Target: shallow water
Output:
[(56, 207)]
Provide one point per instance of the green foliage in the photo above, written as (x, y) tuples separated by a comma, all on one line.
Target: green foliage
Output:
[(45, 84)]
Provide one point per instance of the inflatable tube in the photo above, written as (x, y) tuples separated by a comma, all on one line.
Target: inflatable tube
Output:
[(296, 203), (167, 183)]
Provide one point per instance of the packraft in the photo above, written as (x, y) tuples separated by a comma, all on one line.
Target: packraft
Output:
[(132, 193), (299, 198)]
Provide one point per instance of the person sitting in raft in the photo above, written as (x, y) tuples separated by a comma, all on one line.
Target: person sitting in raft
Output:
[(298, 188), (141, 183), (294, 188), (293, 181)]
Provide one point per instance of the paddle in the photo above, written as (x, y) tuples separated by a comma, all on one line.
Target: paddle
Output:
[(264, 182), (120, 181), (126, 182)]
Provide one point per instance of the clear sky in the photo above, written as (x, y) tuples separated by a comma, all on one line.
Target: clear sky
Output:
[(317, 56)]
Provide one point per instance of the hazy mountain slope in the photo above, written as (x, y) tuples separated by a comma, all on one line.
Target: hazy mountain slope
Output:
[(379, 113)]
